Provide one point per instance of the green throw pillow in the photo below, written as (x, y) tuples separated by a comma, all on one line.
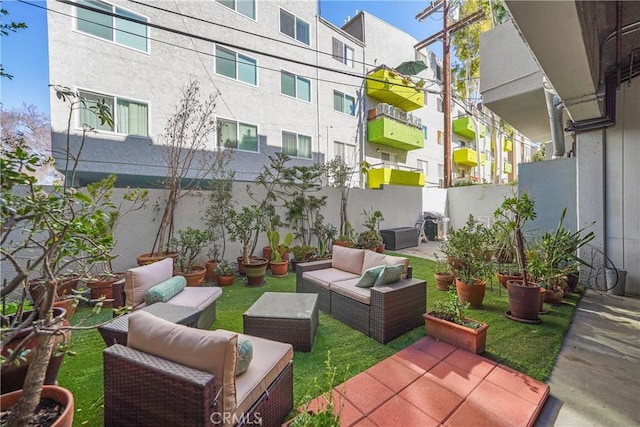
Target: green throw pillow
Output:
[(390, 274), (369, 277), (164, 291), (245, 354)]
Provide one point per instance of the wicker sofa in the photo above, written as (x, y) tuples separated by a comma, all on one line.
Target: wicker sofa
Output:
[(171, 374), (140, 279), (381, 312)]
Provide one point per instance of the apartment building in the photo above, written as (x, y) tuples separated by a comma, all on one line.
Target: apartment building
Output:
[(287, 81)]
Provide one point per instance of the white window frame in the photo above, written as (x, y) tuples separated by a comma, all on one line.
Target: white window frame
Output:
[(113, 27), (236, 64), (342, 56), (295, 26), (392, 158), (296, 77), (423, 165), (114, 113), (235, 9), (344, 153), (344, 104), (298, 135), (238, 123)]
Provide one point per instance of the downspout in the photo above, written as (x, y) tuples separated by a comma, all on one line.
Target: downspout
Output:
[(554, 111)]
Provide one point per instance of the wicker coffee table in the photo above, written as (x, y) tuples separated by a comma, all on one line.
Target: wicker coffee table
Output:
[(115, 332), (285, 317)]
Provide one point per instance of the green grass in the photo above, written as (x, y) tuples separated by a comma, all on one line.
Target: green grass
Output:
[(531, 349)]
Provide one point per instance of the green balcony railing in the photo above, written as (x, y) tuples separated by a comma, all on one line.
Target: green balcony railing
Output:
[(465, 127), (384, 175), (392, 133), (390, 87)]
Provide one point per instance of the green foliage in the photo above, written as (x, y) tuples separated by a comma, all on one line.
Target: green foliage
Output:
[(452, 310), (540, 155), (303, 252), (369, 239), (339, 174), (278, 249), (470, 249), (325, 233), (372, 219), (216, 214), (224, 268), (242, 224), (189, 244)]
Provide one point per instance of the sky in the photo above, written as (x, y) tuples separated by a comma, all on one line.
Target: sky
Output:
[(24, 53)]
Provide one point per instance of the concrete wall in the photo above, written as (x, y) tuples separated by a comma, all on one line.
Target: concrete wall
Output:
[(478, 200), (552, 185)]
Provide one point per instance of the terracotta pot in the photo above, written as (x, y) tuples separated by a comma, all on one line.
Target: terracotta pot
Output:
[(473, 294), (104, 287), (469, 339), (57, 393), (279, 269), (524, 301), (66, 287), (554, 297), (443, 280), (542, 293), (225, 280), (195, 277), (150, 258), (256, 269), (503, 278), (343, 243), (210, 275), (13, 376), (380, 249), (572, 281), (67, 305)]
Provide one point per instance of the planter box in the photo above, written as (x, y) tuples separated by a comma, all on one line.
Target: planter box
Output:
[(472, 340)]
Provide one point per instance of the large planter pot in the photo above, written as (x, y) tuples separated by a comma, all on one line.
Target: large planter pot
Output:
[(195, 277), (225, 280), (524, 301), (145, 259), (469, 339), (279, 269), (104, 287), (256, 269), (13, 376), (54, 392), (66, 287), (210, 275), (503, 278), (443, 280), (343, 243), (471, 293), (380, 249), (554, 296)]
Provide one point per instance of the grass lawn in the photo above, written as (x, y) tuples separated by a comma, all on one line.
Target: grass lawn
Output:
[(531, 349)]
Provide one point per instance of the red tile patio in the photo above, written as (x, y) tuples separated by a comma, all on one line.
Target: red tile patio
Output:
[(432, 383)]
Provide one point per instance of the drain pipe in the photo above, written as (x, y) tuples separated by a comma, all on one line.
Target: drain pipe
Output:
[(554, 109)]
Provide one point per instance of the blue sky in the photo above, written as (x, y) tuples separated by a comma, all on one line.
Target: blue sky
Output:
[(24, 53)]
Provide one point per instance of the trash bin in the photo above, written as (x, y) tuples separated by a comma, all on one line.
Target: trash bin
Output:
[(431, 226)]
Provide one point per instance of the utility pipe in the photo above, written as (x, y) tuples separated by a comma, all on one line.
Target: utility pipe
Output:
[(555, 120)]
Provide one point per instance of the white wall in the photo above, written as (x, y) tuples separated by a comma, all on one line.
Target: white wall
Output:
[(478, 200)]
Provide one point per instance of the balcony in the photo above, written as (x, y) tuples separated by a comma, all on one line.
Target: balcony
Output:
[(508, 145), (465, 127), (385, 175), (465, 157), (392, 133), (507, 167), (390, 87)]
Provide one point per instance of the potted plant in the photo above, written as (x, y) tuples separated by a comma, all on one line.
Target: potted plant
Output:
[(325, 234), (369, 239), (225, 273), (339, 175), (371, 222), (523, 295), (241, 226), (279, 252), (443, 274), (189, 245), (348, 239), (301, 253), (447, 322), (64, 226)]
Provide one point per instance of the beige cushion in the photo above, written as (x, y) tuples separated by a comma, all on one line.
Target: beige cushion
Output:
[(347, 259), (140, 279), (372, 259), (270, 359), (197, 297), (349, 289), (209, 351), (327, 276)]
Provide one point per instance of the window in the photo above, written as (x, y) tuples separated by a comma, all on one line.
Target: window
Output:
[(342, 53), (440, 137), (241, 136), (439, 72), (118, 30), (389, 158), (425, 132), (344, 103), (129, 117), (295, 86), (295, 145), (345, 151), (294, 27), (423, 165), (245, 7), (236, 66)]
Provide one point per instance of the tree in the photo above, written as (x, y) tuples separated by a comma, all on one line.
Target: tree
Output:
[(339, 174), (217, 214), (185, 152)]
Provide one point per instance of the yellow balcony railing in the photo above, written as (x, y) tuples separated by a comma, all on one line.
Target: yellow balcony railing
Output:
[(392, 133), (383, 175), (507, 167), (465, 127), (390, 87), (508, 145), (465, 157)]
